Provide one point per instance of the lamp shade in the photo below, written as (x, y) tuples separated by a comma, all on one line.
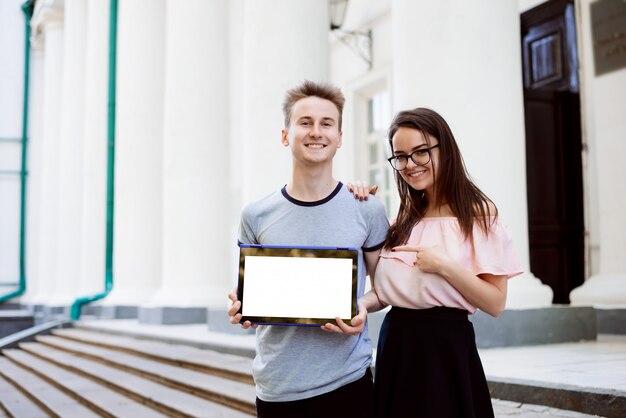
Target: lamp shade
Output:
[(337, 13)]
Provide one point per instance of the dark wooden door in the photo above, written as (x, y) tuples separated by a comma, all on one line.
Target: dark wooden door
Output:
[(553, 147), (554, 180)]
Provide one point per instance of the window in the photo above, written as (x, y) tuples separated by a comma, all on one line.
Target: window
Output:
[(377, 169)]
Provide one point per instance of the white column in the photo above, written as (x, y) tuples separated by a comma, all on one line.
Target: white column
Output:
[(94, 151), (34, 211), (291, 38), (467, 49), (236, 134), (603, 99), (195, 156), (70, 155), (48, 19), (266, 32), (138, 155)]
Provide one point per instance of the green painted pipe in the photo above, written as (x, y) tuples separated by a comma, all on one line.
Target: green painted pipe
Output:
[(27, 8), (75, 311)]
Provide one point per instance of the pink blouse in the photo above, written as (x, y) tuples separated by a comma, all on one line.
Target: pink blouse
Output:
[(399, 283)]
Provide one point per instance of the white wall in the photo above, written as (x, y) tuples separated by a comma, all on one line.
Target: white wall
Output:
[(604, 125), (525, 5), (352, 74), (11, 105)]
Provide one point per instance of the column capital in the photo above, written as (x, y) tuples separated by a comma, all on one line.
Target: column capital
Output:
[(47, 14)]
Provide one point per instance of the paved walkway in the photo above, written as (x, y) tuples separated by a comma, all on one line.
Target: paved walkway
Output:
[(597, 364), (591, 373), (505, 409), (586, 366)]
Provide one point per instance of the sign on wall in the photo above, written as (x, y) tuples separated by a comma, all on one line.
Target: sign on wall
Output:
[(608, 28)]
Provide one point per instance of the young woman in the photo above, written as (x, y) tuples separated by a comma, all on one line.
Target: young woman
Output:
[(446, 255)]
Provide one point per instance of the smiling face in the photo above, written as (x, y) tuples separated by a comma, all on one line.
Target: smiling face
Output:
[(313, 133), (420, 177)]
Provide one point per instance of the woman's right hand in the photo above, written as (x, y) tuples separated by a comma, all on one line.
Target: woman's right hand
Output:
[(361, 189), (429, 259)]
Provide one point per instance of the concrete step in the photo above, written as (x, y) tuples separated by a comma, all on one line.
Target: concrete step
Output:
[(15, 404), (215, 388), (97, 397), (165, 399), (226, 365), (47, 397)]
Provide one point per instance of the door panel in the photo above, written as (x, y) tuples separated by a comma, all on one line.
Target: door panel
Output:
[(554, 181)]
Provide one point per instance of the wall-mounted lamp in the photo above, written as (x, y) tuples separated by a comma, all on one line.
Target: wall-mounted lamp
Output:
[(359, 42)]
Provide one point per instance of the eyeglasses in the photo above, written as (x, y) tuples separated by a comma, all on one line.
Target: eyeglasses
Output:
[(419, 157)]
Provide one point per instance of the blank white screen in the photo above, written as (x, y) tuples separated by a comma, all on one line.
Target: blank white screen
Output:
[(297, 287)]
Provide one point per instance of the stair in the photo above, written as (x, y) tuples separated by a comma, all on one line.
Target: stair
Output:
[(98, 398), (50, 399), (14, 403), (212, 362), (81, 373)]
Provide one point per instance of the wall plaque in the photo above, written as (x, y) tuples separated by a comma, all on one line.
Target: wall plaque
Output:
[(608, 28)]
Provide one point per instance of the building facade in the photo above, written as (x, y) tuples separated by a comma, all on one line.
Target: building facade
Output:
[(143, 147)]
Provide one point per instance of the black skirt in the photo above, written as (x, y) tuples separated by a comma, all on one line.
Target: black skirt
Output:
[(427, 365)]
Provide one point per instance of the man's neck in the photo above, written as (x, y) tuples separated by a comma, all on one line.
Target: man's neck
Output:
[(311, 185)]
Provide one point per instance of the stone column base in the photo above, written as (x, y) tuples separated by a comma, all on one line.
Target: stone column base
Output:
[(607, 294), (604, 290), (515, 327), (163, 315), (611, 321), (527, 292), (117, 311), (218, 321)]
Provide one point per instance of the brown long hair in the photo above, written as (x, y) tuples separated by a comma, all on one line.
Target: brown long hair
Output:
[(453, 186)]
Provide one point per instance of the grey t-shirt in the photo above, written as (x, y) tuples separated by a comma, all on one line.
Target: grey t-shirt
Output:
[(294, 362)]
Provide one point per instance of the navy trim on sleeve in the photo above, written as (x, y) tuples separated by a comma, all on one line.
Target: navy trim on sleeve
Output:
[(374, 248), (317, 203)]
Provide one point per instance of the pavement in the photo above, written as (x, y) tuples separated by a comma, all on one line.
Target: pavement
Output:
[(590, 375), (541, 381), (504, 409)]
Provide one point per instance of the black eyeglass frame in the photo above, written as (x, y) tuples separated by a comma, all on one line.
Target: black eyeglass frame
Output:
[(395, 157)]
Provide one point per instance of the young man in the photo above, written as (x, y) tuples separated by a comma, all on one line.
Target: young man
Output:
[(309, 371)]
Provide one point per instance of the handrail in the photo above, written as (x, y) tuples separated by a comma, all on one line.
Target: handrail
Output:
[(75, 311), (27, 8)]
